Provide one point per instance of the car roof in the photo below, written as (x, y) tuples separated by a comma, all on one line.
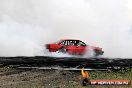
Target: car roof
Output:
[(71, 39)]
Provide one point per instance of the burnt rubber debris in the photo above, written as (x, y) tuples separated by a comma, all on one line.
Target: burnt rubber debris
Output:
[(67, 63)]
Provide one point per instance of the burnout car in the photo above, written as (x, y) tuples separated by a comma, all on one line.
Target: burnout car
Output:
[(74, 47)]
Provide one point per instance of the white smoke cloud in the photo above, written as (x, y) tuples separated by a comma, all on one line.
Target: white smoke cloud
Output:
[(19, 39), (26, 25)]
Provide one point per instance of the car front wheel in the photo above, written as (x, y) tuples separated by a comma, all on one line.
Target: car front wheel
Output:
[(97, 53)]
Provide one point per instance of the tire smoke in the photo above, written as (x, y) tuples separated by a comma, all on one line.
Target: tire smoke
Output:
[(26, 25)]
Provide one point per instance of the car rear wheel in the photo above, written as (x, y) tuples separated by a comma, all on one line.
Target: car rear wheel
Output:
[(62, 50), (97, 52)]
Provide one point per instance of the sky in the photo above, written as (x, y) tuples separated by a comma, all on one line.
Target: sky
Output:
[(27, 25)]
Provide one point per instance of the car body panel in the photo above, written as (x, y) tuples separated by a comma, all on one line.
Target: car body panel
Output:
[(76, 49)]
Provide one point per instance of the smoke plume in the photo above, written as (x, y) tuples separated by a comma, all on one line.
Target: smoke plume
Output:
[(26, 25)]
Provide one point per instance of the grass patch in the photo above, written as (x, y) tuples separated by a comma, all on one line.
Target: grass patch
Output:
[(111, 75), (5, 68)]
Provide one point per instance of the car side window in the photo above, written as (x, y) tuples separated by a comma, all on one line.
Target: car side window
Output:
[(66, 43), (75, 43), (70, 43)]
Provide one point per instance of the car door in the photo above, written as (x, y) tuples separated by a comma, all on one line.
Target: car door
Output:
[(56, 46), (80, 47), (75, 47), (71, 48)]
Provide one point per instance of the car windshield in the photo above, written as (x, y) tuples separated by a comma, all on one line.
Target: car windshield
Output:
[(80, 43)]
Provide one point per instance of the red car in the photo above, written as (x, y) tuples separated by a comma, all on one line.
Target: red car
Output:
[(74, 47)]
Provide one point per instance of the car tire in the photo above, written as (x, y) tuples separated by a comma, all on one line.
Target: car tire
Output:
[(96, 53), (62, 50)]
